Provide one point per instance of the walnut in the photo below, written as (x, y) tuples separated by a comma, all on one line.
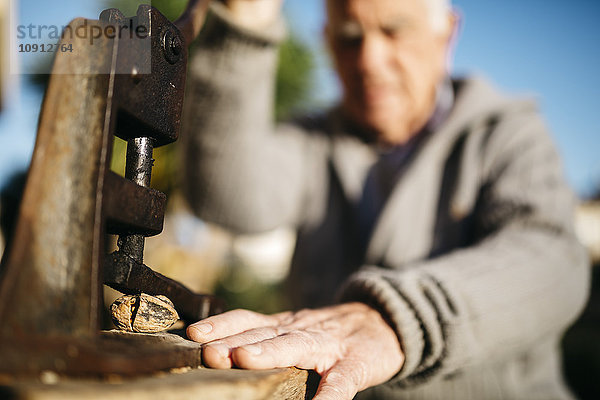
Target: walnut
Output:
[(143, 313)]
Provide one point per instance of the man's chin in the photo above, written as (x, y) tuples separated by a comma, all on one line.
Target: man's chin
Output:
[(382, 123), (386, 130)]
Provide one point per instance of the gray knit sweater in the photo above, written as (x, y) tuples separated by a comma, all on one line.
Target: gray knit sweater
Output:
[(472, 258)]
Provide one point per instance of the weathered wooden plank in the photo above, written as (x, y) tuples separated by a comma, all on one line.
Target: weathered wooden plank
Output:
[(177, 384), (203, 383)]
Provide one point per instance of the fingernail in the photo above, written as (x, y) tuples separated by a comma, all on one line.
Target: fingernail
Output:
[(221, 349), (203, 328), (253, 349)]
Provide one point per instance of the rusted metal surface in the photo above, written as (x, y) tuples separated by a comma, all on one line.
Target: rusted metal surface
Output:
[(51, 285), (150, 104), (50, 293), (131, 208)]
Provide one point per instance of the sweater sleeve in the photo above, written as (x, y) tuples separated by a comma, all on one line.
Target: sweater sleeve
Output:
[(239, 170), (524, 280)]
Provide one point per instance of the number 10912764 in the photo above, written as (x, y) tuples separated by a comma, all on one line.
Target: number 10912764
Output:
[(45, 48)]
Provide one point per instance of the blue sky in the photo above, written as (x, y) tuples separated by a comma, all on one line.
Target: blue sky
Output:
[(548, 49)]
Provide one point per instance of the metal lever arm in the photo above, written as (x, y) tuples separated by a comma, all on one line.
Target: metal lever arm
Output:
[(124, 274)]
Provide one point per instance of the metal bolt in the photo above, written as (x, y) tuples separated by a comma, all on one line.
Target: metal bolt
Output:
[(176, 45), (138, 168), (172, 46)]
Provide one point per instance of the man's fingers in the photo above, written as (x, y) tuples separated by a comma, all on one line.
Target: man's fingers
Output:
[(342, 381), (237, 321), (217, 354), (302, 349), (227, 324)]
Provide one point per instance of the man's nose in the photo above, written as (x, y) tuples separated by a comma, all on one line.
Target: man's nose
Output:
[(373, 54)]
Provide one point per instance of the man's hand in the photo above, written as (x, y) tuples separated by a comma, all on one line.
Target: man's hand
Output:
[(254, 14), (349, 345)]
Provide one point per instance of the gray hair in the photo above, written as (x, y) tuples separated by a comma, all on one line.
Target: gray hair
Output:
[(438, 10)]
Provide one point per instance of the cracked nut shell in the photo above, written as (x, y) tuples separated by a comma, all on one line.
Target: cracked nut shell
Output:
[(143, 313)]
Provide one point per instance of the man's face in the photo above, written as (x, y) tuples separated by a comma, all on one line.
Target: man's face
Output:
[(390, 59)]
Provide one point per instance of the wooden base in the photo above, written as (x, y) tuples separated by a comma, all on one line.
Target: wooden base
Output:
[(203, 383), (176, 384)]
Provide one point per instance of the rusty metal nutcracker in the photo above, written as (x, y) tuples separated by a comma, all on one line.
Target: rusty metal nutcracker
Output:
[(50, 292)]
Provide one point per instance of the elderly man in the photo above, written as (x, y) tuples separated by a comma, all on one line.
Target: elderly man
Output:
[(435, 243)]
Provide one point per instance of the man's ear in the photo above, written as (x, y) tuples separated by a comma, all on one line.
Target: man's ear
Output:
[(454, 28)]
